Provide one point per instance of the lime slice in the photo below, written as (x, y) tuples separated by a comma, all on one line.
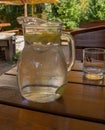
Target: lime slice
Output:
[(43, 38), (60, 90)]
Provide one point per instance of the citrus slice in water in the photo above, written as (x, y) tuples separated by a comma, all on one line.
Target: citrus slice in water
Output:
[(94, 77), (43, 38), (60, 90)]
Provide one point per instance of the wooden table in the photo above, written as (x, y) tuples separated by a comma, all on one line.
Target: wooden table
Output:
[(2, 25), (5, 24), (82, 106), (8, 45)]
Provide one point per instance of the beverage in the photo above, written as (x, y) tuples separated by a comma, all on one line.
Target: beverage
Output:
[(94, 73), (94, 63), (40, 94), (42, 38), (37, 80)]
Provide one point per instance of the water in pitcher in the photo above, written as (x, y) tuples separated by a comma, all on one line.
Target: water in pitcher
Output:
[(42, 73)]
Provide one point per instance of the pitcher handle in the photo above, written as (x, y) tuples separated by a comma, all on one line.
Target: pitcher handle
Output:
[(72, 48)]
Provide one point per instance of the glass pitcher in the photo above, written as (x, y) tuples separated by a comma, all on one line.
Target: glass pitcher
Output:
[(42, 67)]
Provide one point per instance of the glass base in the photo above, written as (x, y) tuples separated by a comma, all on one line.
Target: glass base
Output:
[(40, 94), (94, 76)]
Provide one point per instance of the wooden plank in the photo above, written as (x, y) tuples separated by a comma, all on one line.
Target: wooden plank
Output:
[(12, 118), (12, 71), (8, 81), (4, 66), (9, 48), (77, 67), (5, 24), (78, 101), (93, 37), (4, 43), (90, 24), (75, 76), (11, 31), (79, 78)]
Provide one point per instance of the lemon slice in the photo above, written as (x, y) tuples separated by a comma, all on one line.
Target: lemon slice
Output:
[(60, 90), (94, 77), (43, 38)]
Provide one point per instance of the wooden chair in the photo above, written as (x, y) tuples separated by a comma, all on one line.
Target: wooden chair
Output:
[(87, 38), (92, 24)]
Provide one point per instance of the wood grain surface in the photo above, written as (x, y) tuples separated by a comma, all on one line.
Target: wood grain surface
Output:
[(82, 106), (79, 101), (12, 118)]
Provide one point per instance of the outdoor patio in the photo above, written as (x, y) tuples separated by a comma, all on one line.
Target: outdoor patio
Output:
[(4, 65)]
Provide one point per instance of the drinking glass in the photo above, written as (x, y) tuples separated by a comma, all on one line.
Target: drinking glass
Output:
[(94, 63)]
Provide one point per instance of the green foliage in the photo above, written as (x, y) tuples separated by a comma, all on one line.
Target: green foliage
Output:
[(73, 12), (16, 57), (95, 11), (9, 13), (70, 12), (98, 10), (67, 12)]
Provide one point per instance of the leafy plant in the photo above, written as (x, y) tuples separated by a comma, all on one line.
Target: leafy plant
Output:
[(16, 57), (73, 12), (70, 12), (67, 12)]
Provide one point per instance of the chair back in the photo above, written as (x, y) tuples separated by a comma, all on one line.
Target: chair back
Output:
[(88, 38), (92, 24)]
